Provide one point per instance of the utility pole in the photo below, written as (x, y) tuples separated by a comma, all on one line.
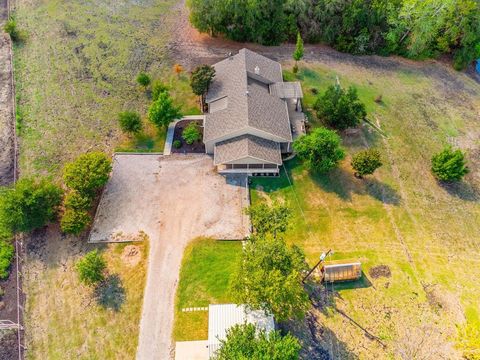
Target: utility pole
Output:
[(322, 258)]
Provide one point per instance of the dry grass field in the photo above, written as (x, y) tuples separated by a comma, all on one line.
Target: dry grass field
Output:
[(68, 320), (426, 233), (77, 70)]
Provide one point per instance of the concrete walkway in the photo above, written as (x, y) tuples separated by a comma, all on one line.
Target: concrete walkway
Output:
[(167, 150)]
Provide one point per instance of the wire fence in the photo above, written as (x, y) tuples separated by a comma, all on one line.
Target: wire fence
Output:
[(10, 6)]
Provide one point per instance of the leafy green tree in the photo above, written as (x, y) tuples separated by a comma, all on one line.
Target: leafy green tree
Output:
[(130, 122), (271, 219), (88, 173), (321, 149), (162, 111), (91, 268), (200, 80), (74, 221), (366, 162), (449, 165), (77, 201), (143, 79), (298, 53), (268, 277), (28, 205), (245, 342), (158, 88), (339, 108), (6, 256), (191, 133)]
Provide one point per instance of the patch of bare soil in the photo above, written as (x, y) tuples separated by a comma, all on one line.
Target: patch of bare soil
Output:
[(380, 271), (440, 299), (131, 255), (8, 345), (6, 113)]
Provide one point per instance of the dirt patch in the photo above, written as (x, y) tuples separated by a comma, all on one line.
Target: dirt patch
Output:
[(7, 124), (380, 271), (441, 299), (8, 345), (131, 255), (197, 147)]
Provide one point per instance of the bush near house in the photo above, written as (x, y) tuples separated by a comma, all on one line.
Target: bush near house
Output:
[(321, 149), (162, 111), (191, 133), (74, 221)]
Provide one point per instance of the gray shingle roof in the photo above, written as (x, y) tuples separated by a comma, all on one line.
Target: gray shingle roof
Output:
[(287, 90), (245, 146), (250, 104)]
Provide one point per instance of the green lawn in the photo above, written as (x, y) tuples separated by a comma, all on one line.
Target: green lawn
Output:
[(77, 70), (427, 234), (205, 275)]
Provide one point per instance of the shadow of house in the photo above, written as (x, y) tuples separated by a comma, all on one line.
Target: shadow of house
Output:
[(110, 294)]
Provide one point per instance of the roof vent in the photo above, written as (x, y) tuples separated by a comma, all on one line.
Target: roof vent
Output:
[(257, 70)]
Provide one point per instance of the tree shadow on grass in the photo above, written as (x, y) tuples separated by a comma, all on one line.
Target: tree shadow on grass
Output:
[(110, 294), (462, 190), (344, 184)]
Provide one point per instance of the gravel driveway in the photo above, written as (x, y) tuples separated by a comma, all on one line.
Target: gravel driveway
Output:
[(172, 199)]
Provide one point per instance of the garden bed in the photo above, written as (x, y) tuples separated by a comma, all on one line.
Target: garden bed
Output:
[(196, 147)]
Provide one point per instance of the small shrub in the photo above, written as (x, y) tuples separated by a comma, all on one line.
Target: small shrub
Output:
[(143, 79), (76, 201), (91, 268), (379, 99), (6, 256), (177, 69), (11, 29), (449, 165), (157, 89), (366, 162), (162, 111), (130, 122), (191, 133), (295, 69), (177, 144), (74, 221), (314, 91)]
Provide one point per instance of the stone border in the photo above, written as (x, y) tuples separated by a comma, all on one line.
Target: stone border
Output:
[(171, 130)]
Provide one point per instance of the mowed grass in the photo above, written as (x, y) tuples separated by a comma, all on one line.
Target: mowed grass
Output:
[(77, 70), (206, 271), (428, 234), (64, 319)]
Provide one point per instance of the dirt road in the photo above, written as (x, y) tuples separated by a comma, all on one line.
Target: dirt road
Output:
[(6, 113)]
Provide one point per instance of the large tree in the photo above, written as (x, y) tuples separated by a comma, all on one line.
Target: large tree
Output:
[(246, 342), (88, 173), (269, 277), (449, 165), (321, 149), (28, 205), (162, 111), (269, 219), (339, 108)]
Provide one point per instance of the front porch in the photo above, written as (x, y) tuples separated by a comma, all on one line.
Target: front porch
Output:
[(267, 169)]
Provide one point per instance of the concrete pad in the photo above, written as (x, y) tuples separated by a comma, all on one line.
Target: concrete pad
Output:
[(191, 350)]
